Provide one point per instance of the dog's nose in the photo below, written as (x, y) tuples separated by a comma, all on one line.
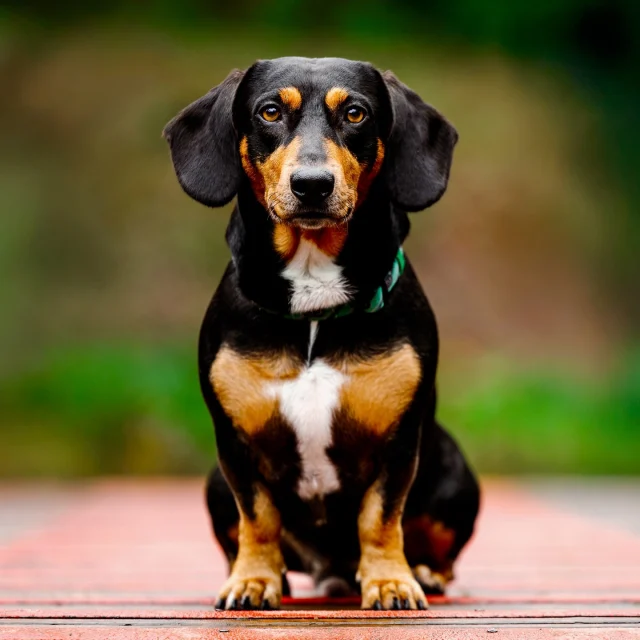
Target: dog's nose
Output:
[(312, 186)]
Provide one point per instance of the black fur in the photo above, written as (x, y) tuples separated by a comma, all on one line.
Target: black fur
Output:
[(247, 312), (421, 149), (204, 146), (203, 136)]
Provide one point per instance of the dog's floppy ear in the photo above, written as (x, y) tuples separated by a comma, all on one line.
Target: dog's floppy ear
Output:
[(419, 150), (204, 146)]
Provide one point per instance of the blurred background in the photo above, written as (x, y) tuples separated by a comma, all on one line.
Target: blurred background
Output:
[(530, 260)]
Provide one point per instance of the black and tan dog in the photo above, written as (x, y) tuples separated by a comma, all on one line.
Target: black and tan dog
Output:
[(318, 351)]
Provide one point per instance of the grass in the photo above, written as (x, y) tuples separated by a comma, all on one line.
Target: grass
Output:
[(108, 409)]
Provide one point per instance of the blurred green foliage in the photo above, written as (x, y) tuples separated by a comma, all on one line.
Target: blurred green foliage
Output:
[(530, 260), (544, 423), (108, 408)]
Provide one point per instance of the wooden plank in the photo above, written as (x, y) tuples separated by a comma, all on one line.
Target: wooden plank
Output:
[(64, 632), (130, 559)]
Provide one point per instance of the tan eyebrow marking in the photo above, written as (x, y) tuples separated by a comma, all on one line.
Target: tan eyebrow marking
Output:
[(335, 97), (291, 97)]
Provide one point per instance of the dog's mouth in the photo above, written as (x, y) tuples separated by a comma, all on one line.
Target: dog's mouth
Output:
[(313, 220), (296, 214), (309, 219)]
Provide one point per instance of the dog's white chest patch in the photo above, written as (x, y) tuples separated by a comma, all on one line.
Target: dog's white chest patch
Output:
[(316, 280), (308, 403)]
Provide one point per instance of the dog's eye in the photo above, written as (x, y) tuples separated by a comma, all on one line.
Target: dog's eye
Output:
[(355, 114), (271, 113)]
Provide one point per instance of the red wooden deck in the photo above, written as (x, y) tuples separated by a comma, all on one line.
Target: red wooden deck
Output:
[(135, 559)]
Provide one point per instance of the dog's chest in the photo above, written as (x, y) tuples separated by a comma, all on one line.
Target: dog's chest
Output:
[(307, 403), (316, 281), (319, 401)]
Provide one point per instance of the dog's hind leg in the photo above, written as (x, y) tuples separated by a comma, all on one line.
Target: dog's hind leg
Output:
[(441, 510), (224, 514)]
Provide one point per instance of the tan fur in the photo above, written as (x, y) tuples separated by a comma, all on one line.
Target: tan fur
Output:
[(335, 97), (257, 570), (380, 389), (329, 240), (384, 572), (270, 181), (238, 382), (257, 182), (376, 394), (352, 179), (346, 173), (423, 535), (270, 178), (291, 97), (285, 240), (276, 172)]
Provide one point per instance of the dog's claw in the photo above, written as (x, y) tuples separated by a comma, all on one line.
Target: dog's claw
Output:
[(406, 604), (377, 605), (246, 593), (219, 604), (395, 604), (422, 605)]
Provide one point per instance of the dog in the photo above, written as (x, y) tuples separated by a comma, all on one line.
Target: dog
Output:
[(318, 352)]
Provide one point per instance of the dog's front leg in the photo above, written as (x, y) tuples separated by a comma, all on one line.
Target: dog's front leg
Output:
[(256, 576), (385, 577)]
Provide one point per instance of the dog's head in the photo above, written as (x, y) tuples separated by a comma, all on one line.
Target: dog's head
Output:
[(311, 136)]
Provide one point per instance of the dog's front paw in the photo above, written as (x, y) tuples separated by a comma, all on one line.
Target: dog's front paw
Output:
[(397, 592), (248, 592)]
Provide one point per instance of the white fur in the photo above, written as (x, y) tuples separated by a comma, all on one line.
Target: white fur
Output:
[(308, 403), (317, 281)]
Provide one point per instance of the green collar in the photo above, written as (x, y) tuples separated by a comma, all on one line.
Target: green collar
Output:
[(377, 302)]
